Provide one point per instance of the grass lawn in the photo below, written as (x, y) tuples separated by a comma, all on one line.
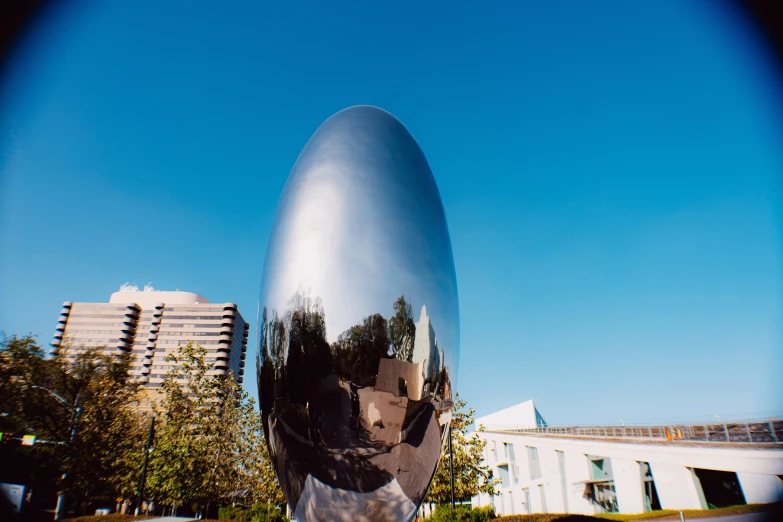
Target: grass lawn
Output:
[(689, 513), (666, 514), (115, 517)]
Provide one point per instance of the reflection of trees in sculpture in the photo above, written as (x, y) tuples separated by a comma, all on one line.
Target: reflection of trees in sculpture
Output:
[(377, 388), (309, 358), (360, 350), (294, 353), (402, 330)]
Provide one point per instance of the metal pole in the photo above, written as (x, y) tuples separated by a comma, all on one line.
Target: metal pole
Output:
[(451, 468), (75, 414), (144, 468)]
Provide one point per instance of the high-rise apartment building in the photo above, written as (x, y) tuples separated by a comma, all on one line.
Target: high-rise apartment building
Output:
[(151, 324)]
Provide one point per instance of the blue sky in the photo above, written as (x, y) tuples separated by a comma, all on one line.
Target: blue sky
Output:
[(611, 174)]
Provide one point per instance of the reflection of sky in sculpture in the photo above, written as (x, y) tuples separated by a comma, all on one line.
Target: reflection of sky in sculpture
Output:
[(358, 324), (359, 223)]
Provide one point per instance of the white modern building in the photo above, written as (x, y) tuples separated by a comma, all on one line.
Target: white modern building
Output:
[(628, 469)]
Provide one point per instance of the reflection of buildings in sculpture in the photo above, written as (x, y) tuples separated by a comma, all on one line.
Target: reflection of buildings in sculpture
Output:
[(425, 348), (390, 371), (350, 419)]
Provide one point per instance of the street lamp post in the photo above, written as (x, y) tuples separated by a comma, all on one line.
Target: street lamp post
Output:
[(76, 412), (144, 467), (451, 469)]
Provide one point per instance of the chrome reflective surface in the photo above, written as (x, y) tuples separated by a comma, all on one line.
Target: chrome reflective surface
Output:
[(358, 324)]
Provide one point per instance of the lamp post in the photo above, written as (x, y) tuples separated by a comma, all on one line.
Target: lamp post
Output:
[(451, 468), (144, 467), (76, 412)]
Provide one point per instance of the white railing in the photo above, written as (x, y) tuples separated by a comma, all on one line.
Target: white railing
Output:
[(749, 432)]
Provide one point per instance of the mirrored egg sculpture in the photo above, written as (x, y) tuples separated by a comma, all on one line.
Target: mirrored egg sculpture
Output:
[(358, 327)]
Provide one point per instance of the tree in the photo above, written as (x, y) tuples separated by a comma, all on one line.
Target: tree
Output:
[(210, 445), (471, 476), (82, 406), (402, 330)]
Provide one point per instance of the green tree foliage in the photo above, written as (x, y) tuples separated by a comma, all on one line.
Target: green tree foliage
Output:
[(402, 330), (210, 444), (84, 407), (471, 476)]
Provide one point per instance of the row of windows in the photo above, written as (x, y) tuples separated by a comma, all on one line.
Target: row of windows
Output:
[(95, 340), (81, 307), (185, 325), (194, 309), (195, 317), (183, 342), (96, 316), (196, 334), (71, 331), (74, 323)]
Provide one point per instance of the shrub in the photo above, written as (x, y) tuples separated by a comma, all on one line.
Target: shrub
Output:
[(482, 514), (267, 513), (462, 514), (233, 513), (259, 513)]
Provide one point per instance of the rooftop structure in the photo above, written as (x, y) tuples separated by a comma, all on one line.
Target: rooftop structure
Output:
[(628, 469)]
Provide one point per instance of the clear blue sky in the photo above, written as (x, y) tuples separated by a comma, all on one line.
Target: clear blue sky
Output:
[(611, 174)]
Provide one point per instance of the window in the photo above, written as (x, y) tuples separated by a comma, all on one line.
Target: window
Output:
[(533, 463), (564, 489), (513, 464), (543, 498), (505, 479), (602, 494)]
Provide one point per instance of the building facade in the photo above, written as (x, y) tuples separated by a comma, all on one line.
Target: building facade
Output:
[(625, 469), (151, 324)]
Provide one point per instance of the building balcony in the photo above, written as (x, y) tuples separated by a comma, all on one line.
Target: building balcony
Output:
[(125, 336), (151, 345), (55, 342), (225, 337), (58, 334), (63, 318), (154, 328), (226, 329), (65, 311), (229, 313)]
